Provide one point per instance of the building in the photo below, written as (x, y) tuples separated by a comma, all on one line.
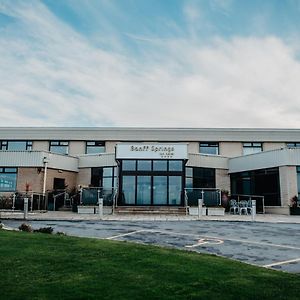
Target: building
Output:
[(153, 166)]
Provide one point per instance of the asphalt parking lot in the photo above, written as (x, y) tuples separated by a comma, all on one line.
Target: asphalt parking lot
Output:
[(271, 245)]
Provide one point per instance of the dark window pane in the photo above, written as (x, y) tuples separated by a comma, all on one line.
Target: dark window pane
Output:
[(144, 165), (160, 165), (129, 165), (175, 165), (175, 190), (143, 190), (129, 189)]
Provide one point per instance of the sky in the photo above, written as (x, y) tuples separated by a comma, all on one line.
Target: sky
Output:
[(150, 63)]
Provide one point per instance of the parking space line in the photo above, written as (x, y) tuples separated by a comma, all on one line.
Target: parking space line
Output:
[(222, 238), (124, 234), (282, 263)]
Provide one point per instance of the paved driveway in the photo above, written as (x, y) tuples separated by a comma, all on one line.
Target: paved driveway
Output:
[(270, 245)]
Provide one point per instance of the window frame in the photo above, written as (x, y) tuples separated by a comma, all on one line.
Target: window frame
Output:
[(102, 144), (59, 143), (212, 145), (251, 145), (4, 145), (9, 170)]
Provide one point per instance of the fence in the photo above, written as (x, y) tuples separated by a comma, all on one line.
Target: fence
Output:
[(90, 196), (15, 201), (211, 197)]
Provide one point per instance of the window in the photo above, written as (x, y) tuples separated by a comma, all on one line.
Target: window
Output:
[(200, 177), (251, 148), (59, 147), (209, 148), (293, 145), (8, 179), (16, 145), (95, 147)]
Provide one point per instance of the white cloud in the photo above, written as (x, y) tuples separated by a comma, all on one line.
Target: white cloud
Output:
[(51, 75)]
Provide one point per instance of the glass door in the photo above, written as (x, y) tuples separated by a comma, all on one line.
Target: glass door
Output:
[(143, 186), (160, 190)]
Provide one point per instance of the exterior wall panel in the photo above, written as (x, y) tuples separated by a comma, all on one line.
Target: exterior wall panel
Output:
[(97, 160), (207, 161)]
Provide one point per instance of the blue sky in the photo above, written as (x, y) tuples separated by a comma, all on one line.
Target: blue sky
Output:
[(217, 63)]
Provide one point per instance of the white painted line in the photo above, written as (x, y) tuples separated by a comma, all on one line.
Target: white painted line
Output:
[(282, 263), (205, 241), (124, 234), (223, 238)]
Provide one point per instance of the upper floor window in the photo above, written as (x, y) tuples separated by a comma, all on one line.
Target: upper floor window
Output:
[(250, 148), (293, 145), (60, 147), (209, 148), (95, 147), (16, 145), (8, 179)]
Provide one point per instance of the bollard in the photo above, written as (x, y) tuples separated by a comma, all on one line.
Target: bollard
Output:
[(25, 208), (101, 208), (200, 204), (253, 210)]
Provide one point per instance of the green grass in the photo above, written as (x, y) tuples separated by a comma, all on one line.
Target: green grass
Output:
[(40, 266)]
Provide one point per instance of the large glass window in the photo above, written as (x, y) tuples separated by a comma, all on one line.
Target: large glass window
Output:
[(129, 165), (298, 183), (143, 196), (144, 165), (160, 190), (251, 148), (264, 182), (8, 179), (209, 148), (59, 147), (104, 177), (200, 177), (293, 145), (174, 190), (128, 188), (157, 182), (95, 147), (16, 145)]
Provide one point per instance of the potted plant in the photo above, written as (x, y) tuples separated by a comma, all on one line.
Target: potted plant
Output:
[(294, 208)]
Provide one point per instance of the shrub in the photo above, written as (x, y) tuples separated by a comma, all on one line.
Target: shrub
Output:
[(25, 227), (48, 230)]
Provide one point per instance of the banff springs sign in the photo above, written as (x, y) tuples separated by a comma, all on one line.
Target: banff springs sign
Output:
[(151, 151)]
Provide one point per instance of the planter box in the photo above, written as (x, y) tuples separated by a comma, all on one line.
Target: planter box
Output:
[(86, 209), (295, 211), (215, 211), (193, 211)]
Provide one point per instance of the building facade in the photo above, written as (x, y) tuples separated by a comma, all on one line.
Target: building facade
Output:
[(154, 166)]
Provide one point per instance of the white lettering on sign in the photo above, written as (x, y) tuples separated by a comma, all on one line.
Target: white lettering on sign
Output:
[(151, 151)]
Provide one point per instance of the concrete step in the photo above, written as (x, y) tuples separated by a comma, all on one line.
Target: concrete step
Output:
[(165, 210)]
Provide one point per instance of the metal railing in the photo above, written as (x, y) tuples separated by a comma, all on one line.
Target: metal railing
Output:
[(210, 196), (91, 196), (15, 201)]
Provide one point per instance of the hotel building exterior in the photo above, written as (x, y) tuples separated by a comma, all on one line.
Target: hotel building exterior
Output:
[(153, 166)]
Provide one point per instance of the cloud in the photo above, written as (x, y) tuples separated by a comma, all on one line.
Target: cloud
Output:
[(52, 75)]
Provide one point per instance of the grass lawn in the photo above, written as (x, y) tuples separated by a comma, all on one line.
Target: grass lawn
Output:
[(41, 266)]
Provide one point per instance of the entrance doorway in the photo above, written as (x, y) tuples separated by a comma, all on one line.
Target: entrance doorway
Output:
[(151, 182)]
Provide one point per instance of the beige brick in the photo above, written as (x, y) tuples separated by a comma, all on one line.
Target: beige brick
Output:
[(273, 146), (222, 179), (84, 177), (230, 149), (288, 184)]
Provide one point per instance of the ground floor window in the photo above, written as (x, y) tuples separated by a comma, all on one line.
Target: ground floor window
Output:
[(298, 182), (8, 179), (151, 182), (200, 177), (264, 182)]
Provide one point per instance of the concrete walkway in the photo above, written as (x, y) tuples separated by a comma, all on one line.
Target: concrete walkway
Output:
[(71, 216)]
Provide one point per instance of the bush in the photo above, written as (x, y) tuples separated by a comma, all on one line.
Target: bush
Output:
[(25, 227), (48, 230)]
